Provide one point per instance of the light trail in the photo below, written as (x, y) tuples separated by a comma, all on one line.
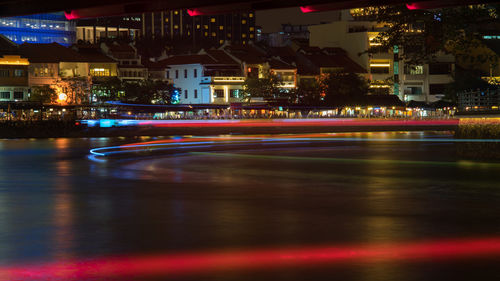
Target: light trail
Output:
[(333, 122), (207, 262), (348, 160), (207, 142)]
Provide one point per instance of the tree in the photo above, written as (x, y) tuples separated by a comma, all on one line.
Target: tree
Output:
[(77, 89), (464, 80), (110, 89), (338, 89), (267, 88), (308, 92), (43, 94), (422, 33), (148, 91)]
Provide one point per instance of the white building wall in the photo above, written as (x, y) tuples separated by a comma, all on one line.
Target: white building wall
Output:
[(189, 84)]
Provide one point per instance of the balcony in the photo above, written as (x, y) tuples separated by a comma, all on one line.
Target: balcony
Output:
[(222, 79)]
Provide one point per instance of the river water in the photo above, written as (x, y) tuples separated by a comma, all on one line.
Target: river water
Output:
[(57, 205)]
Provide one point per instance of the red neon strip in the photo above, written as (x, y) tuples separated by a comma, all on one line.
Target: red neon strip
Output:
[(177, 264), (341, 123), (308, 9)]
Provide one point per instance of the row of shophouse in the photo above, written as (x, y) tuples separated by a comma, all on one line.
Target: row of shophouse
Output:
[(214, 76)]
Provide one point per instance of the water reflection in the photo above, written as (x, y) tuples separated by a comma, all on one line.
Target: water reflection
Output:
[(56, 205)]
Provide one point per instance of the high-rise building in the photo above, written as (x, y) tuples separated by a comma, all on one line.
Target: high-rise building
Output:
[(117, 28), (237, 27), (41, 28)]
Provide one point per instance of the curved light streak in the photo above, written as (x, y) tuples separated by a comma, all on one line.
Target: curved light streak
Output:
[(207, 142)]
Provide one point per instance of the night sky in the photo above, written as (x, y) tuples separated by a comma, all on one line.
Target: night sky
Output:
[(271, 20)]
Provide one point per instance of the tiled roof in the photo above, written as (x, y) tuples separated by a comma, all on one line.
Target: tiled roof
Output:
[(333, 57), (187, 59), (7, 47), (279, 64), (93, 54), (247, 54), (49, 53), (115, 47), (221, 57)]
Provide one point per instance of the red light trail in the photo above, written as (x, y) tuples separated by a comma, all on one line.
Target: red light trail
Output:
[(298, 123), (203, 262)]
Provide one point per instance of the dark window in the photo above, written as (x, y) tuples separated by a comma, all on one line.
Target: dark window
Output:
[(440, 68), (195, 91), (378, 70), (4, 73), (168, 74), (219, 93), (185, 73), (195, 73), (185, 94), (18, 95), (413, 91), (5, 95), (234, 93), (177, 74), (125, 62), (18, 73), (437, 89), (134, 62)]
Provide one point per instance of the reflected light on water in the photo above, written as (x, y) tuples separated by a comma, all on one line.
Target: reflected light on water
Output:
[(192, 263)]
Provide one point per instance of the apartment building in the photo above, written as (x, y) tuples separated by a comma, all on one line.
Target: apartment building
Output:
[(386, 71)]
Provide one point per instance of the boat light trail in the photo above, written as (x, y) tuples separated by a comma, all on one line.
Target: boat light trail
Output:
[(334, 122), (348, 160), (206, 262)]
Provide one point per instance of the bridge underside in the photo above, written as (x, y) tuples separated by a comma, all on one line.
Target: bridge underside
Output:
[(98, 8)]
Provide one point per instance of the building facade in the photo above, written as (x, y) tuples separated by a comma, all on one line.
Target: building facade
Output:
[(200, 29), (41, 28), (210, 77), (95, 30), (13, 72), (387, 73)]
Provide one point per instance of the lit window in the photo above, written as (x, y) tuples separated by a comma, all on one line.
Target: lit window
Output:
[(206, 33), (176, 26), (243, 35), (251, 35), (229, 35), (251, 28), (221, 27), (166, 19), (250, 15), (214, 34), (244, 42), (243, 21), (212, 20), (205, 26), (176, 12), (221, 41), (198, 26)]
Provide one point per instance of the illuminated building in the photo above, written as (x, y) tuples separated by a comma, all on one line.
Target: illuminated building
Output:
[(41, 28), (130, 67), (95, 29), (208, 77), (13, 72), (200, 29), (355, 32)]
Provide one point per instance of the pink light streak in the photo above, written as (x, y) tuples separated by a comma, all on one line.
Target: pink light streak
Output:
[(298, 123), (308, 9), (205, 262)]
